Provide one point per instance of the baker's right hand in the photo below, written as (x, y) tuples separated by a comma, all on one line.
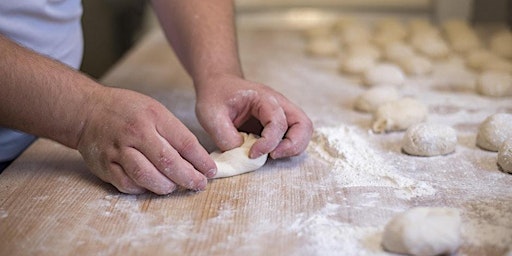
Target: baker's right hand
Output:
[(133, 142)]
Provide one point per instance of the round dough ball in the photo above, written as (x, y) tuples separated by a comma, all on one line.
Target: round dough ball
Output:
[(477, 59), (398, 115), (423, 231), (428, 139), (356, 64), (384, 74), (398, 50), (430, 45), (323, 47), (236, 161), (495, 84), (371, 99), (416, 65), (501, 44), (505, 156), (363, 49), (493, 131), (355, 33)]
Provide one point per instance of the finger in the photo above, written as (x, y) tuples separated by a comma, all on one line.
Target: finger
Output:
[(223, 131), (144, 173), (273, 119), (171, 163), (297, 137), (117, 177)]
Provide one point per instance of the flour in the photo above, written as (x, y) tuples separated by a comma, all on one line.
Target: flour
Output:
[(355, 163)]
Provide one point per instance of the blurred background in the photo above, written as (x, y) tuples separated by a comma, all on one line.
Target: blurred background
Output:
[(111, 27)]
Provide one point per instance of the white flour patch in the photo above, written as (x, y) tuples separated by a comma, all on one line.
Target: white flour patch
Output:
[(324, 235), (355, 163)]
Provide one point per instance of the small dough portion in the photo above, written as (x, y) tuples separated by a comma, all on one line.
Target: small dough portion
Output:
[(429, 139), (424, 231), (505, 156), (493, 131), (371, 99), (416, 65), (236, 161), (501, 43), (495, 84), (384, 74), (399, 115), (323, 47)]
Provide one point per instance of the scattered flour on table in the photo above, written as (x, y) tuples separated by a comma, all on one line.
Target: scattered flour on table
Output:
[(355, 163), (327, 236)]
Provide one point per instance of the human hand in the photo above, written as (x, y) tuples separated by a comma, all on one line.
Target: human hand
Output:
[(133, 142), (226, 103)]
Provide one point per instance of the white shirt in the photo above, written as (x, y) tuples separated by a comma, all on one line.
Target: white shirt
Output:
[(49, 27)]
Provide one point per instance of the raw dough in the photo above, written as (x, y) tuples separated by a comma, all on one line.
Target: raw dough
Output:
[(493, 131), (384, 74), (429, 139), (398, 50), (416, 65), (424, 231), (363, 49), (505, 156), (356, 64), (398, 115), (236, 161), (323, 47), (501, 43), (430, 45), (495, 84), (371, 99)]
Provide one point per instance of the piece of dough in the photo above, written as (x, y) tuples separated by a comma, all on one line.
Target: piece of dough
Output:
[(323, 47), (416, 65), (430, 45), (398, 50), (372, 98), (356, 64), (495, 84), (501, 43), (429, 139), (236, 161), (399, 115), (505, 156), (384, 74), (493, 131), (424, 231)]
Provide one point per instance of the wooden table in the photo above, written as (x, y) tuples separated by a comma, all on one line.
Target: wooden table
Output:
[(332, 200)]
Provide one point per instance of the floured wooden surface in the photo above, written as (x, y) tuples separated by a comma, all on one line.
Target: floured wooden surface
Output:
[(333, 199)]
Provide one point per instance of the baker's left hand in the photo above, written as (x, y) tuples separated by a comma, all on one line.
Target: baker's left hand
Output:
[(227, 102)]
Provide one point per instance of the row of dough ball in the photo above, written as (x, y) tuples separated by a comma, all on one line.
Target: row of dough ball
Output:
[(421, 34), (360, 57)]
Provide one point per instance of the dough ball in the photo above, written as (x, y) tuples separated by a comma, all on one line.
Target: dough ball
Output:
[(398, 115), (461, 36), (384, 74), (501, 44), (355, 33), (430, 45), (236, 161), (423, 231), (398, 50), (422, 26), (493, 131), (364, 49), (323, 47), (495, 84), (356, 64), (371, 99), (416, 65), (505, 156), (477, 59), (428, 139)]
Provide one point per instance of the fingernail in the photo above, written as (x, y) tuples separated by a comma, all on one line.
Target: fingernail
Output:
[(255, 155), (211, 173)]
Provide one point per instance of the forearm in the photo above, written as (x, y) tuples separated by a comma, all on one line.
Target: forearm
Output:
[(41, 96), (202, 34)]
